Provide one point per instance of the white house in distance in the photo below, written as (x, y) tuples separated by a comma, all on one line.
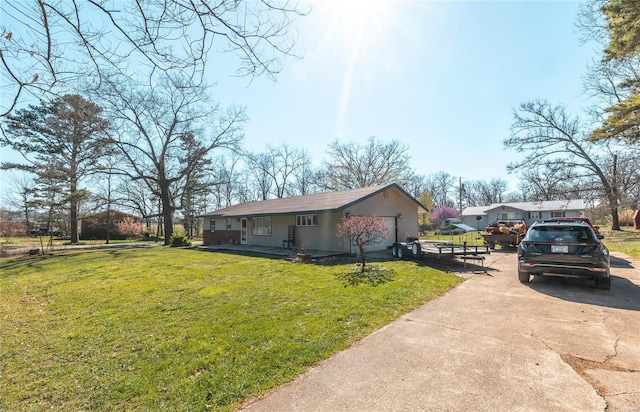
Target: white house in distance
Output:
[(481, 216), (309, 222)]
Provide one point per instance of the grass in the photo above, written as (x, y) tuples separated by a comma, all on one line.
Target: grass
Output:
[(625, 241), (45, 241), (175, 329)]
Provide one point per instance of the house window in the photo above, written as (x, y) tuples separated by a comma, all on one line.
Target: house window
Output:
[(507, 216), (212, 225), (228, 223), (116, 222), (557, 214), (307, 220), (535, 215), (261, 226)]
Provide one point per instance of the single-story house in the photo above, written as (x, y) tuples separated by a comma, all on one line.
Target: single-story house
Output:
[(529, 212), (95, 226), (309, 222)]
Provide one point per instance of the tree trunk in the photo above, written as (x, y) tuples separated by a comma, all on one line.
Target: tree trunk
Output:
[(108, 222), (26, 218), (363, 258), (74, 222), (168, 226), (167, 211), (613, 208)]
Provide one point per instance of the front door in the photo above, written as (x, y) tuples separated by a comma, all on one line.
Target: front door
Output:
[(243, 231)]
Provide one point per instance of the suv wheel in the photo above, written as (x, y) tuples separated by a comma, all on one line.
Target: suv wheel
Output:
[(523, 276)]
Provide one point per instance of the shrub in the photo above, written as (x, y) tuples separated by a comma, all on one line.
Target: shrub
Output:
[(179, 240), (625, 217), (9, 228), (129, 228)]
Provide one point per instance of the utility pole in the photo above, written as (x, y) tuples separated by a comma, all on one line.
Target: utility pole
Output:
[(461, 192)]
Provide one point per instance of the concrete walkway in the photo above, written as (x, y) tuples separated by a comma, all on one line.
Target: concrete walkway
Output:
[(491, 344)]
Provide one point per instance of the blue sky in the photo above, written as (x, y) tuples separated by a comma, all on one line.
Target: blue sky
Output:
[(443, 77)]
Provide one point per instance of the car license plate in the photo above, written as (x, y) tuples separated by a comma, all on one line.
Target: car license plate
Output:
[(559, 249)]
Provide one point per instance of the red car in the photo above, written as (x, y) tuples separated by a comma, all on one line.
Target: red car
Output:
[(576, 219)]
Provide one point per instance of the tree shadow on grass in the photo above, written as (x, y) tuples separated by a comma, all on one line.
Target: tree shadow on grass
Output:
[(372, 275)]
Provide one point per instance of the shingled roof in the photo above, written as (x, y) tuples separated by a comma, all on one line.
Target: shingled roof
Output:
[(547, 205), (317, 202)]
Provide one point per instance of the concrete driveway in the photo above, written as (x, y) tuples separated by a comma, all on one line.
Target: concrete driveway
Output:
[(491, 344)]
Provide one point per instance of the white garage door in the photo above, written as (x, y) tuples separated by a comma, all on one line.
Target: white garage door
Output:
[(390, 223)]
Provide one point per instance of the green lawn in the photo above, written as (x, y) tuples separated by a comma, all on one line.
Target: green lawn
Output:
[(176, 329), (625, 241), (45, 241)]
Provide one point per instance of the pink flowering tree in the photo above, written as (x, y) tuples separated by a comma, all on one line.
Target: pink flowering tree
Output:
[(442, 213), (363, 231), (129, 228)]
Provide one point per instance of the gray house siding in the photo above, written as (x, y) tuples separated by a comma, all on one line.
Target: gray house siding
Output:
[(279, 231), (528, 212), (323, 236), (327, 210), (394, 207)]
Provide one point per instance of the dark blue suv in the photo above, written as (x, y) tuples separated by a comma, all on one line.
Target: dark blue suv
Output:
[(564, 248)]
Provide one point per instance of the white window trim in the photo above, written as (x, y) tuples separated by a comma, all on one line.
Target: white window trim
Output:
[(307, 220), (261, 230)]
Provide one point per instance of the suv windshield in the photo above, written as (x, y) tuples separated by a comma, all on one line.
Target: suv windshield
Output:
[(561, 234)]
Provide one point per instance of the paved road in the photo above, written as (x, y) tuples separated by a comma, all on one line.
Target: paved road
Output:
[(491, 344)]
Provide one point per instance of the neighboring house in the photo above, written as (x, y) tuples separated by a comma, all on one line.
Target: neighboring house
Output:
[(309, 222), (96, 226), (479, 217)]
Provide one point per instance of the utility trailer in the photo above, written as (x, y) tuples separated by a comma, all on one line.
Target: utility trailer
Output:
[(419, 249)]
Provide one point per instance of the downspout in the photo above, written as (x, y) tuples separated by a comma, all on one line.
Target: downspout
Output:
[(396, 228)]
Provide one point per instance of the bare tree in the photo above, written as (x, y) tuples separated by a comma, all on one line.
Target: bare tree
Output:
[(590, 22), (226, 181), (415, 185), (165, 133), (440, 185), (548, 182), (304, 182), (482, 192), (275, 169), (137, 195), (105, 194), (260, 165), (46, 46), (287, 160), (629, 173), (350, 165), (609, 83), (551, 138), (22, 194)]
